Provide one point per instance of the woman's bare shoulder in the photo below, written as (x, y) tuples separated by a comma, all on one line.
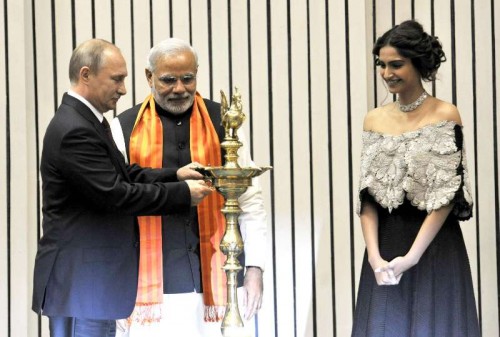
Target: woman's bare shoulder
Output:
[(375, 117), (443, 110)]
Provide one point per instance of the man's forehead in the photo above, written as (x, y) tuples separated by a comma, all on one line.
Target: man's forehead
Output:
[(176, 62), (113, 58)]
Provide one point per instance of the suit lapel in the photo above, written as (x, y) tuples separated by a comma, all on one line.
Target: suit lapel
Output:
[(84, 110)]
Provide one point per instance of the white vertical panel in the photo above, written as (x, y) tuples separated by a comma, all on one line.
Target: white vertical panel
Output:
[(142, 46), (282, 188), (239, 52), (220, 48), (423, 15), (261, 146), (497, 82), (64, 40), (103, 20), (19, 109), (370, 66), (301, 173), (45, 68), (465, 106), (260, 87), (240, 60), (442, 28), (403, 10), (180, 18), (123, 41), (341, 200), (30, 138), (200, 43), (486, 182), (359, 107), (161, 25), (321, 184), (83, 18), (3, 182), (45, 88), (383, 22)]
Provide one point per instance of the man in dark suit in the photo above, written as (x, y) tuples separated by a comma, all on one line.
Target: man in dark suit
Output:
[(86, 267)]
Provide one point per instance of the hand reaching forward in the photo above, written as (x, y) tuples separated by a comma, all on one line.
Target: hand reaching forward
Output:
[(187, 172), (253, 289), (199, 190)]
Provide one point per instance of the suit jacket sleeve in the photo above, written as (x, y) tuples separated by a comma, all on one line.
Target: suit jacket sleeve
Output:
[(85, 162)]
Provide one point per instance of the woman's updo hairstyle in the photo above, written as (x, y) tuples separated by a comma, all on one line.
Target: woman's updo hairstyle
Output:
[(410, 40)]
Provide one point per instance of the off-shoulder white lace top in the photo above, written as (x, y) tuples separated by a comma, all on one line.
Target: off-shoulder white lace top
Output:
[(427, 166)]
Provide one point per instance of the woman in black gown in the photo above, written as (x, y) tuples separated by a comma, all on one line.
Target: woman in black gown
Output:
[(414, 188)]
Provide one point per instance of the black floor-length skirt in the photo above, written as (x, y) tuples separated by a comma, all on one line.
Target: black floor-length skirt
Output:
[(435, 298)]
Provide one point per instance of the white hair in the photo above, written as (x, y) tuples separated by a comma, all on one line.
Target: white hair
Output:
[(167, 47)]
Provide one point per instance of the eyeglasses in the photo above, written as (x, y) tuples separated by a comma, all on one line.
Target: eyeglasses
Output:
[(172, 80)]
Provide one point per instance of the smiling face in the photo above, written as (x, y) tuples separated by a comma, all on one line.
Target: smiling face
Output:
[(107, 84), (173, 81), (398, 72)]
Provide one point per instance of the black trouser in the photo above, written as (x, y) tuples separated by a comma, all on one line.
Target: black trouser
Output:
[(81, 327)]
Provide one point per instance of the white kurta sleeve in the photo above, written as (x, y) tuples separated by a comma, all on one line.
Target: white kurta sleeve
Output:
[(253, 221), (116, 130)]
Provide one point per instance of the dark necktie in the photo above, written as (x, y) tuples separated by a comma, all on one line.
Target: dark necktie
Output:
[(107, 128)]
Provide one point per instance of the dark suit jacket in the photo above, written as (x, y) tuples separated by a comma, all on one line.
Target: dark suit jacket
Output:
[(87, 259)]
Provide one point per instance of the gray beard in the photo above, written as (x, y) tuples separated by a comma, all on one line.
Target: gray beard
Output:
[(175, 109)]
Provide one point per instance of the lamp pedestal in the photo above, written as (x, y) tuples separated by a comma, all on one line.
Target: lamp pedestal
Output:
[(231, 181)]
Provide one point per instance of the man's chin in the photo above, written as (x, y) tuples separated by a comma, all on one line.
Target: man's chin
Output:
[(110, 107), (178, 107)]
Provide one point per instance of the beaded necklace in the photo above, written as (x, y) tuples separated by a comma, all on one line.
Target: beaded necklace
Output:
[(412, 106)]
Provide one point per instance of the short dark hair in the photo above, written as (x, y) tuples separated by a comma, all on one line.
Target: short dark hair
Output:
[(411, 41)]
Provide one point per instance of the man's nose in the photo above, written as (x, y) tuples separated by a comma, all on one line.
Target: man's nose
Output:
[(122, 90), (179, 86)]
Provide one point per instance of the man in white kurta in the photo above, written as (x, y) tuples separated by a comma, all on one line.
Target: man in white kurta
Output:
[(171, 74)]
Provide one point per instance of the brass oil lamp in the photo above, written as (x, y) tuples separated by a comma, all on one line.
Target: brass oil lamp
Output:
[(231, 181)]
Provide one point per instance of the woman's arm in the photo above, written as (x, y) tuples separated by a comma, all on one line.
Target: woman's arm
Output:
[(430, 227), (369, 225)]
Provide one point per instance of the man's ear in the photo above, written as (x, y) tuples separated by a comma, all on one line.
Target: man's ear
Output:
[(149, 77), (84, 74)]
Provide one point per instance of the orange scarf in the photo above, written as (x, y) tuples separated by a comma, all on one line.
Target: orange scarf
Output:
[(146, 149)]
